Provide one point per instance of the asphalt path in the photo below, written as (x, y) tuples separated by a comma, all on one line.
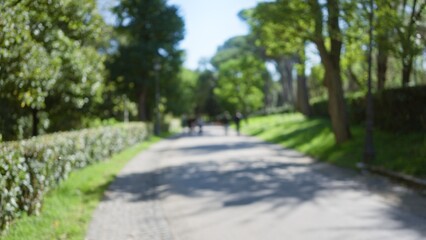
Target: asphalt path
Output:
[(216, 186)]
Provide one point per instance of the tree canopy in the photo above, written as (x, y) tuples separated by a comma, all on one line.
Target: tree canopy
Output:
[(241, 75), (62, 67), (148, 32), (49, 57)]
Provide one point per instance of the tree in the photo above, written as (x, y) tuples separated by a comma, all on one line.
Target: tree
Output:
[(330, 58), (406, 25), (148, 34), (51, 59), (353, 58), (181, 93), (239, 85), (302, 101), (206, 100), (318, 22), (272, 24), (74, 32), (384, 39), (241, 75)]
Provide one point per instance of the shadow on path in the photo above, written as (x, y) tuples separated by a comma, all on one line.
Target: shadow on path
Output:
[(247, 181)]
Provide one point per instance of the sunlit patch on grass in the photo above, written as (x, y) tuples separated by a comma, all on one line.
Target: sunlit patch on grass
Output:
[(398, 152)]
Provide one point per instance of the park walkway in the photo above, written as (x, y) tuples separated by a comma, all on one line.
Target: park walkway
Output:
[(238, 188)]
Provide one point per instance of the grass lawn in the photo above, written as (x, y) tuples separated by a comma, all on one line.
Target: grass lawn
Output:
[(405, 153), (67, 210)]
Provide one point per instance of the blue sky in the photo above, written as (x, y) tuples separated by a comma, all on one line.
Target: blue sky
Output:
[(208, 24)]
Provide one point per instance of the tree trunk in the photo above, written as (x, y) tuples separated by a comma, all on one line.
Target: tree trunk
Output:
[(142, 105), (406, 71), (284, 67), (337, 107), (354, 84), (267, 95), (289, 73), (34, 113), (303, 105), (336, 100), (281, 71), (331, 62), (303, 96), (382, 66), (406, 33)]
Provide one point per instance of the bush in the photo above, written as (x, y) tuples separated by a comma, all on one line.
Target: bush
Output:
[(401, 109), (30, 168), (273, 110), (320, 108), (395, 110)]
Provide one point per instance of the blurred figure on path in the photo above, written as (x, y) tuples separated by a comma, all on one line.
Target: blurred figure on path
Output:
[(191, 124), (237, 120), (184, 122), (200, 124), (225, 121)]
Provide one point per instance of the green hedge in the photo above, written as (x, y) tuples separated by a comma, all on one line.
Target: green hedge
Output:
[(395, 110), (29, 168)]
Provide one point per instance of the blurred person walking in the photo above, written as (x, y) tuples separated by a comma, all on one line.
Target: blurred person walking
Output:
[(237, 119), (225, 121)]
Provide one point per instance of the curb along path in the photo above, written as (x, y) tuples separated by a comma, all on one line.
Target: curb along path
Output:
[(232, 187)]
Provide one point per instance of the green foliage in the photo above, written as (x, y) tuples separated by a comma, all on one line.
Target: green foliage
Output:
[(31, 167), (241, 75), (397, 152), (49, 61), (234, 48), (181, 92), (287, 21), (316, 82), (338, 30), (407, 25), (240, 83), (206, 101), (148, 32)]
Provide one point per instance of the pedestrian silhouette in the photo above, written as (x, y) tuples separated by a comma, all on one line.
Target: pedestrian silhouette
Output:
[(225, 121), (200, 124), (237, 120)]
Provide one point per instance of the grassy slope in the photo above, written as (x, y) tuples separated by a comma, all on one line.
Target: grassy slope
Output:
[(403, 153), (67, 210)]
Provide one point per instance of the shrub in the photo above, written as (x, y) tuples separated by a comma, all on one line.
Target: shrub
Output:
[(30, 168), (401, 109), (395, 110), (320, 108), (273, 110)]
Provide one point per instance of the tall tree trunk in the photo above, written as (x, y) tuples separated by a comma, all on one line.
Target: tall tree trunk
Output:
[(267, 96), (303, 105), (407, 66), (336, 100), (284, 66), (337, 106), (289, 73), (34, 113), (142, 114), (354, 84), (331, 62), (279, 68), (406, 37), (382, 66)]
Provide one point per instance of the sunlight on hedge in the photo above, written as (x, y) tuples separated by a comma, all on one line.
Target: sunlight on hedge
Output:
[(32, 167)]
